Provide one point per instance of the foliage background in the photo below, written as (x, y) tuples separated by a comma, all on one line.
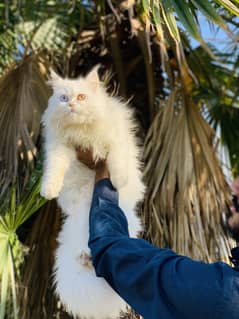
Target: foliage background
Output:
[(186, 102)]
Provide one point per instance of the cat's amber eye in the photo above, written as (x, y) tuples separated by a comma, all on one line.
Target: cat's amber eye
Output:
[(81, 97)]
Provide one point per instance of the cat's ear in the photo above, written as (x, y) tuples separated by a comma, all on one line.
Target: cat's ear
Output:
[(54, 77), (93, 77)]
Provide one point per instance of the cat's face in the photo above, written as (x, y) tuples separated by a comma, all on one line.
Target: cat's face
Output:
[(76, 101)]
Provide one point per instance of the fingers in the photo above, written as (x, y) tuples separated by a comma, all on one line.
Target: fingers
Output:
[(84, 153), (86, 157)]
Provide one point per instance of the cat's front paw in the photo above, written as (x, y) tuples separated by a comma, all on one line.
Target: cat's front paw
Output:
[(119, 180), (50, 190)]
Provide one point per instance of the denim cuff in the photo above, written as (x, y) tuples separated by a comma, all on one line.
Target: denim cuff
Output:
[(104, 190)]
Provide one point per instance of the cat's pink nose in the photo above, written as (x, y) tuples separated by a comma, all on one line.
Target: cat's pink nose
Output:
[(71, 104)]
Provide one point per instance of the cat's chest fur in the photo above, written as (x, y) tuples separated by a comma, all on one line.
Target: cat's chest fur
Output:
[(92, 136)]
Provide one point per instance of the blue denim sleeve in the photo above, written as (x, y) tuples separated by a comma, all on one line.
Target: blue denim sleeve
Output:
[(157, 283)]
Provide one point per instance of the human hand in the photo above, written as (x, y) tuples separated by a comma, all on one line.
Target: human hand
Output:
[(100, 167)]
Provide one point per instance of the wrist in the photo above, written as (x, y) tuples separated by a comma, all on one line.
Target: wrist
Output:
[(101, 172)]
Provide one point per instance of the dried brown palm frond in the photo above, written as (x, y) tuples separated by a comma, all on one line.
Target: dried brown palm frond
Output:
[(37, 299), (23, 97), (187, 192)]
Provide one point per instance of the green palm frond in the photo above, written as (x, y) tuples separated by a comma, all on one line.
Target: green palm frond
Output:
[(209, 11), (218, 91), (186, 13), (7, 277), (173, 16), (38, 25), (11, 250), (7, 49), (231, 6), (46, 35)]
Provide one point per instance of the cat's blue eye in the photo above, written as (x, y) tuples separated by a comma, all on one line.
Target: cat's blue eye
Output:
[(64, 98)]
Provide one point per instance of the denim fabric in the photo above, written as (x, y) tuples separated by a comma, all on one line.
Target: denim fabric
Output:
[(157, 283)]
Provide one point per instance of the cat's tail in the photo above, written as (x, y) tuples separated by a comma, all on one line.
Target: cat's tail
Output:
[(82, 293)]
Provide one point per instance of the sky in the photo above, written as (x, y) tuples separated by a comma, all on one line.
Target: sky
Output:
[(212, 34)]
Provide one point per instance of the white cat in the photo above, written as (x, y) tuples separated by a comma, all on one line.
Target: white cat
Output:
[(81, 113)]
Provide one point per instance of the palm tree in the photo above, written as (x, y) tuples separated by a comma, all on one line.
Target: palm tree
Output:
[(191, 93)]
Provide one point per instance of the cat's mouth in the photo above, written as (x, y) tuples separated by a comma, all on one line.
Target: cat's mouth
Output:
[(71, 111)]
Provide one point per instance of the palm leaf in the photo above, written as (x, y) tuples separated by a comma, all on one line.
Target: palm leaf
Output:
[(46, 35), (186, 17), (11, 250), (169, 19), (20, 113), (162, 14), (42, 244), (187, 192), (209, 12), (7, 48), (218, 93), (229, 5)]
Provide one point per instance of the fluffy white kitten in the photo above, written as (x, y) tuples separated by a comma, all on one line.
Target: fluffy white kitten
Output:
[(81, 113)]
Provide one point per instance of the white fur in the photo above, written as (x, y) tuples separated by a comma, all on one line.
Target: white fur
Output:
[(106, 125)]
